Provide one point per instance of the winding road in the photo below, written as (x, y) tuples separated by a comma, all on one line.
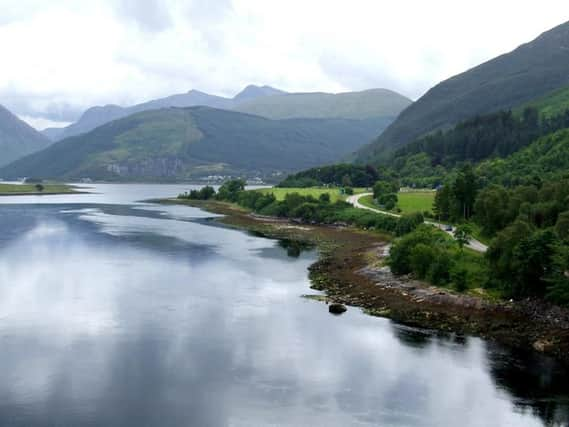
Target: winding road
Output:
[(355, 201)]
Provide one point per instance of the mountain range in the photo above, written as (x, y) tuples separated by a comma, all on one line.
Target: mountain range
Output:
[(264, 101), (510, 80), (17, 138), (184, 143)]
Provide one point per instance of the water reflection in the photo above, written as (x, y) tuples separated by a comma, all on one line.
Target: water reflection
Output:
[(114, 317)]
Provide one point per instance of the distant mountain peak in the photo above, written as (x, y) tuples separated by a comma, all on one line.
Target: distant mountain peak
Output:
[(253, 91), (17, 138)]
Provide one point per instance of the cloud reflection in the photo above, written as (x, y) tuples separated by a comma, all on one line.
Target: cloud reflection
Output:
[(115, 333)]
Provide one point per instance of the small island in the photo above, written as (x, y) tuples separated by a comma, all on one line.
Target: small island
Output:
[(36, 189)]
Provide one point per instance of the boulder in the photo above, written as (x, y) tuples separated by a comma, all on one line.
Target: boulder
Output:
[(337, 308)]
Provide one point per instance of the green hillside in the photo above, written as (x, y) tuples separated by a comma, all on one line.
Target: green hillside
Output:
[(527, 73), (176, 143), (351, 105), (545, 159), (17, 139), (552, 104)]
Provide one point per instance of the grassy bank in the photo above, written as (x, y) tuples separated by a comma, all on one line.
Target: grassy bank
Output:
[(33, 189), (408, 202), (416, 201), (335, 193)]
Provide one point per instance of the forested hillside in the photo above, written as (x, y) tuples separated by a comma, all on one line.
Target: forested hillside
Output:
[(173, 144), (527, 73)]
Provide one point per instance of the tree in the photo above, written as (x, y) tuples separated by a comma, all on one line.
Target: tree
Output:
[(492, 209), (558, 289), (443, 202), (207, 192), (464, 189), (562, 225), (230, 190), (39, 187), (346, 181), (462, 235), (388, 201)]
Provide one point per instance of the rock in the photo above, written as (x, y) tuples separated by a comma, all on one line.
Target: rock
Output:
[(542, 345), (337, 308)]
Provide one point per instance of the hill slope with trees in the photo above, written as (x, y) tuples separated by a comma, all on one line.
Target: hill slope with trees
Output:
[(177, 144), (527, 73)]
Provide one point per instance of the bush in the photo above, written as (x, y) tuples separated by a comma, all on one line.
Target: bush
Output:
[(459, 277)]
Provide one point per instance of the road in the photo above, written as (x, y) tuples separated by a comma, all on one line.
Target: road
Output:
[(355, 201)]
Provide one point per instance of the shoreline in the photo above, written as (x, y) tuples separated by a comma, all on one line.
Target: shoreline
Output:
[(349, 270)]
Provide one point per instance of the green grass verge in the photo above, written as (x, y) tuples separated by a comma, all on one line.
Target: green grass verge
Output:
[(416, 201), (408, 202), (369, 202), (334, 193), (10, 189)]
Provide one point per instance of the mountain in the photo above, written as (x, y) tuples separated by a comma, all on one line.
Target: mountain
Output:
[(17, 138), (184, 143), (263, 101), (529, 72), (253, 92), (97, 116), (350, 105)]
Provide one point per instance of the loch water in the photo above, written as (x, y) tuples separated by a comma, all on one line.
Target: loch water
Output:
[(119, 312)]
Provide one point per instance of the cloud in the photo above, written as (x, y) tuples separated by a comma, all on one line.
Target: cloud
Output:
[(152, 15), (61, 57)]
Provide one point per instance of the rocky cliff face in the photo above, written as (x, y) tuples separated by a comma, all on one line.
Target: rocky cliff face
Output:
[(161, 167)]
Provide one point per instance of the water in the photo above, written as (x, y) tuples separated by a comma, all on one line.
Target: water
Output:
[(120, 313)]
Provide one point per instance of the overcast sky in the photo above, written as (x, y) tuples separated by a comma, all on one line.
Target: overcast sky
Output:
[(60, 57)]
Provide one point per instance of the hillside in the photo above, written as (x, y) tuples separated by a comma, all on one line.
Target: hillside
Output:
[(263, 101), (527, 73), (17, 138), (350, 105), (174, 143), (551, 104), (545, 159), (97, 116)]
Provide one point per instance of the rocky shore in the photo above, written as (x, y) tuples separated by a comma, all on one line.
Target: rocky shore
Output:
[(351, 271)]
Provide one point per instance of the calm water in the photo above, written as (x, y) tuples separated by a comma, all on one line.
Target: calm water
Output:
[(119, 313)]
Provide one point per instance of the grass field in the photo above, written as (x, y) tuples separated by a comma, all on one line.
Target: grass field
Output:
[(409, 202), (335, 194), (416, 201), (369, 202), (12, 189)]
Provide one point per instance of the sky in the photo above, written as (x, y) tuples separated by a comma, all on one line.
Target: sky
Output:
[(60, 57)]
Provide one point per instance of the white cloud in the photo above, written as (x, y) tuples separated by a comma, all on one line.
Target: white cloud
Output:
[(62, 56), (40, 123)]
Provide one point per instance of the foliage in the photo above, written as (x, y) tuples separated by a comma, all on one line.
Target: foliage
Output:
[(429, 254), (462, 235), (342, 174), (230, 190), (455, 200), (533, 70), (205, 193), (320, 210), (545, 159)]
